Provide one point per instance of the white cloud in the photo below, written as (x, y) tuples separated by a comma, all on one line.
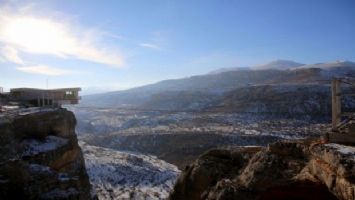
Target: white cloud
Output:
[(150, 45), (10, 54), (44, 70), (52, 37)]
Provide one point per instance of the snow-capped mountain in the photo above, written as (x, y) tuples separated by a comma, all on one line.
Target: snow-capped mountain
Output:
[(276, 64), (333, 64), (123, 175), (279, 64)]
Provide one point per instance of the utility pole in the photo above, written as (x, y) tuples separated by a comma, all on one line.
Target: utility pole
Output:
[(336, 104)]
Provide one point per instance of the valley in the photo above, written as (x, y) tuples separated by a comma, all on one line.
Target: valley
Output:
[(179, 137), (154, 132)]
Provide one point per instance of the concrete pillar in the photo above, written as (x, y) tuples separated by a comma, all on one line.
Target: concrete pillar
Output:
[(336, 104)]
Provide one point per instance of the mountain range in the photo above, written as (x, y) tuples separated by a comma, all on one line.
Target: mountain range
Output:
[(201, 92)]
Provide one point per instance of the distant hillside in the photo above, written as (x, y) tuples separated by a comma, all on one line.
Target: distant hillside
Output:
[(334, 64), (288, 64), (228, 69), (214, 85), (279, 64), (276, 64)]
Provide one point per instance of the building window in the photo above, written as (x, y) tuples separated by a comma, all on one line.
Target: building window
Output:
[(69, 92)]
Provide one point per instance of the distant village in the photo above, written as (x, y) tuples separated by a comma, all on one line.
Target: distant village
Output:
[(32, 97)]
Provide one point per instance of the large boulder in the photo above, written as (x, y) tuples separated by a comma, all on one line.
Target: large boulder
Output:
[(40, 156), (40, 124), (283, 170)]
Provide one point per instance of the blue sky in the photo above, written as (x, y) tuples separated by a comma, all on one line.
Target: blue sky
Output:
[(118, 44)]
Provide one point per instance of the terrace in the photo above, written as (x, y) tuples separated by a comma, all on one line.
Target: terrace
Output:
[(32, 97)]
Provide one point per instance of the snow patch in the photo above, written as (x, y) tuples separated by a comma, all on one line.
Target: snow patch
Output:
[(123, 175), (34, 147), (39, 168), (347, 150)]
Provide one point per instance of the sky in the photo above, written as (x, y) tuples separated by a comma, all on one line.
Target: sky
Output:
[(118, 44)]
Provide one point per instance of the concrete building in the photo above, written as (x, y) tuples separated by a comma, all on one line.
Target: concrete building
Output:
[(41, 97)]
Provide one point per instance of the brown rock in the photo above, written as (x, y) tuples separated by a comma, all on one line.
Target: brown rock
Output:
[(40, 124), (207, 170), (283, 170), (41, 158)]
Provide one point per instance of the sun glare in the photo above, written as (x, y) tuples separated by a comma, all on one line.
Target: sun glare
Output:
[(37, 35), (45, 36)]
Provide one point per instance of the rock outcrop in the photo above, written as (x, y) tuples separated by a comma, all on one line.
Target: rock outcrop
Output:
[(283, 170), (40, 157)]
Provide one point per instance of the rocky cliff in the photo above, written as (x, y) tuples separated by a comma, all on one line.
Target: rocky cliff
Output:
[(283, 170), (40, 157)]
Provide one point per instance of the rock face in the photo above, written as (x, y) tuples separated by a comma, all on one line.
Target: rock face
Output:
[(40, 157), (283, 170)]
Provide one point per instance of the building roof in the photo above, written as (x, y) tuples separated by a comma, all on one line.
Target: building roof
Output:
[(44, 90)]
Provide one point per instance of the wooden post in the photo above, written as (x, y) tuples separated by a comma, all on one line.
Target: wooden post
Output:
[(336, 104)]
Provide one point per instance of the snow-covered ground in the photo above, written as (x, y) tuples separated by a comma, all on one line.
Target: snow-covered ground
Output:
[(180, 137), (50, 143), (120, 122), (123, 175), (343, 149)]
